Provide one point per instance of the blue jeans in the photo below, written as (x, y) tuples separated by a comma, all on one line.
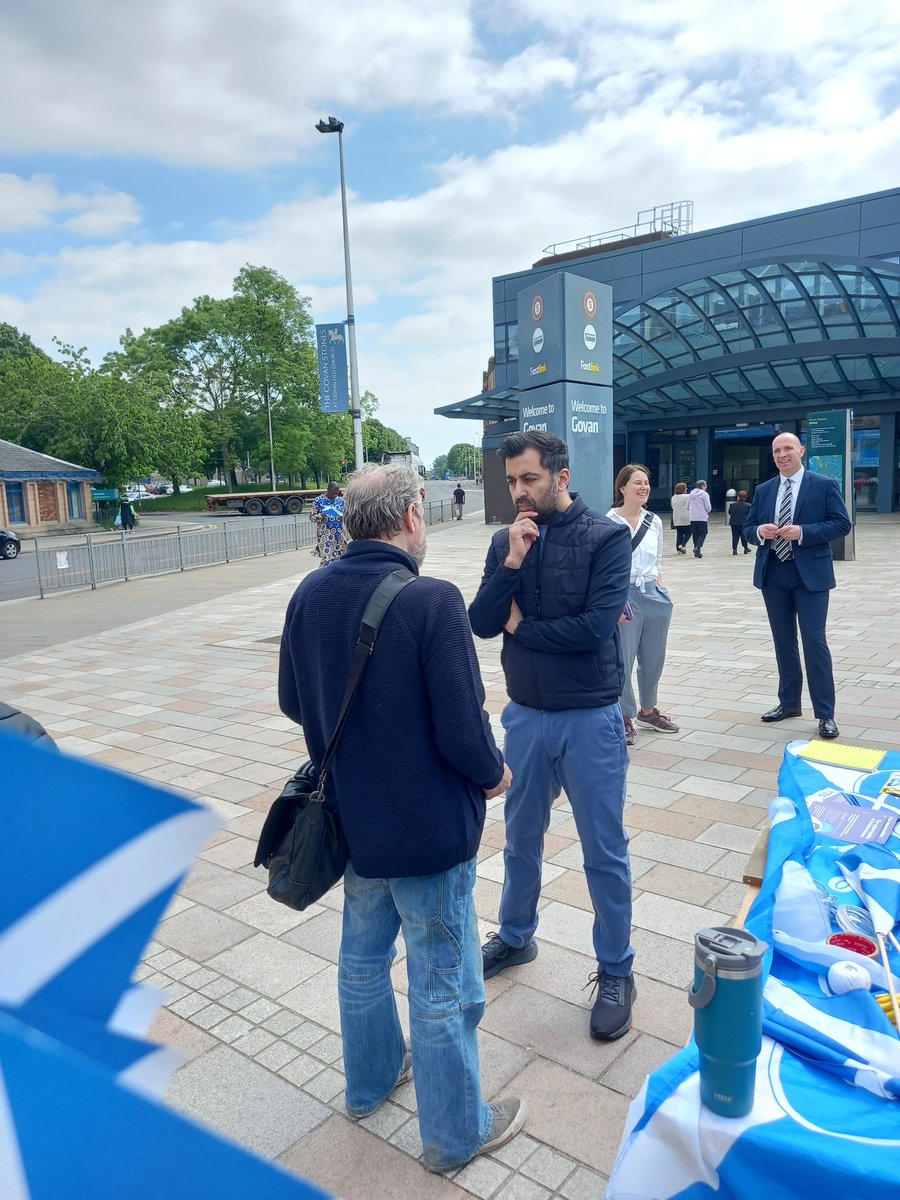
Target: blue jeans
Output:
[(446, 1002), (582, 749)]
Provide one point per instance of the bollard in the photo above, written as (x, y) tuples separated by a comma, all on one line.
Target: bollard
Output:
[(262, 521), (124, 554), (89, 537), (180, 548), (225, 538)]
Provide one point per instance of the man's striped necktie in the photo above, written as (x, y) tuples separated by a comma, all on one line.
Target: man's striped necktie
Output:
[(782, 546)]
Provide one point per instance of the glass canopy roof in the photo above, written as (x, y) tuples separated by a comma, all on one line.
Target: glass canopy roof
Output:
[(760, 334)]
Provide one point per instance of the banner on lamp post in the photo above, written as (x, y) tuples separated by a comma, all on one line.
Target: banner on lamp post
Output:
[(331, 344)]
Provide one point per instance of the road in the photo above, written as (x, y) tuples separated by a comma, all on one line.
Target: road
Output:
[(19, 579)]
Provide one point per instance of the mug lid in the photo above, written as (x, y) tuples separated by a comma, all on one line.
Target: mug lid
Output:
[(734, 949)]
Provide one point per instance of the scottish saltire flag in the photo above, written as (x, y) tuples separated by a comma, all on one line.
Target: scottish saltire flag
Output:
[(874, 874), (825, 1121), (89, 859)]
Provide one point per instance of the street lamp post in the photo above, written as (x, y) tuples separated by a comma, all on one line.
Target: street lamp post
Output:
[(333, 125)]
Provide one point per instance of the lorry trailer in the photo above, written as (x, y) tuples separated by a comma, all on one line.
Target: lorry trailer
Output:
[(273, 504)]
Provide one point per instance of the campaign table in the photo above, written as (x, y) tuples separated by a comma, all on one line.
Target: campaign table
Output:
[(826, 1116)]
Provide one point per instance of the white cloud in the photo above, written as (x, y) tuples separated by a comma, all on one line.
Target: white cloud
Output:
[(37, 203), (225, 83), (105, 215), (745, 110)]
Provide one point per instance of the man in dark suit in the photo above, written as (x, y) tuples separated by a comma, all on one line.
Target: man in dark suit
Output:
[(793, 519)]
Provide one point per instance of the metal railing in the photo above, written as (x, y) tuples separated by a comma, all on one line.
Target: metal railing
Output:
[(118, 557)]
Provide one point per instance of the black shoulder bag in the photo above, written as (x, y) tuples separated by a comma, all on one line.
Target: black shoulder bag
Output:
[(302, 843), (641, 531)]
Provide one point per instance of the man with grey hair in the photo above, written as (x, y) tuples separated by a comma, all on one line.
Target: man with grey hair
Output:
[(415, 765)]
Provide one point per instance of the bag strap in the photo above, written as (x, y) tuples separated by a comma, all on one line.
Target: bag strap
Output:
[(380, 601), (642, 531)]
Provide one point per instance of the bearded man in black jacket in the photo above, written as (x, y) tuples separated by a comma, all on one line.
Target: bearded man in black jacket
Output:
[(555, 584)]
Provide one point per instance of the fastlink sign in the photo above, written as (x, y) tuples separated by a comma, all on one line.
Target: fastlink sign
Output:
[(565, 332), (331, 344)]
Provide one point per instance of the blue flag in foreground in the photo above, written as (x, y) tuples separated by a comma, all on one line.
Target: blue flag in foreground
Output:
[(874, 874), (89, 859)]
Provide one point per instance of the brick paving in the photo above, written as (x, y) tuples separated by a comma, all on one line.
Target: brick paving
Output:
[(186, 697)]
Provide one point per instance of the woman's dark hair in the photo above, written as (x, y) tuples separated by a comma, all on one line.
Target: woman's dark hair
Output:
[(743, 495), (553, 450), (680, 489), (622, 478)]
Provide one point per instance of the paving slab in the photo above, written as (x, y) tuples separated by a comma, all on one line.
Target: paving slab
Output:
[(182, 691)]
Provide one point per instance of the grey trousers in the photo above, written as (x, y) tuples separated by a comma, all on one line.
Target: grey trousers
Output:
[(644, 639)]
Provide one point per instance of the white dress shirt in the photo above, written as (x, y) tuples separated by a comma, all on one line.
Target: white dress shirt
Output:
[(646, 560), (795, 481)]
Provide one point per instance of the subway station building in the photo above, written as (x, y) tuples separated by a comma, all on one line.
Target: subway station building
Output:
[(724, 337)]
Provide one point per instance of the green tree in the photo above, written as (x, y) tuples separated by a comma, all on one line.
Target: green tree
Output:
[(14, 344), (439, 466), (462, 458)]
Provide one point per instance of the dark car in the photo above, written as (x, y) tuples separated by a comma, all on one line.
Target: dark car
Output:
[(9, 544)]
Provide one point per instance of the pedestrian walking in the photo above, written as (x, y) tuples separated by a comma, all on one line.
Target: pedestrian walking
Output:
[(794, 518), (328, 517), (681, 519), (555, 584), (126, 515), (699, 507), (737, 518), (644, 636), (410, 779), (459, 499)]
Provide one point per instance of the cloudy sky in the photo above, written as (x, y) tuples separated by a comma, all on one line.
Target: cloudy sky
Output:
[(148, 151)]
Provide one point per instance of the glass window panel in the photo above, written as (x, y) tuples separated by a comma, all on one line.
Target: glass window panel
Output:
[(500, 343), (857, 285), (666, 300), (512, 343), (797, 313), (759, 378), (823, 370), (713, 350), (704, 387), (15, 503), (803, 268), (891, 284), (834, 311), (820, 285), (730, 381), (781, 288), (75, 501), (857, 369), (889, 366), (790, 374), (809, 333), (774, 339), (675, 391), (765, 272), (631, 317), (696, 288), (729, 277)]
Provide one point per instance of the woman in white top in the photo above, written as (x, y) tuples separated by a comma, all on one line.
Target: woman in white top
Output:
[(644, 635), (681, 518)]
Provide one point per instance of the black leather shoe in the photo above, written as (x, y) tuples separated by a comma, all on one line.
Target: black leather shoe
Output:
[(828, 729), (780, 713)]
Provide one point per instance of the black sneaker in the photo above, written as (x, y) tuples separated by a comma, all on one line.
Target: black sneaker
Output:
[(611, 1014), (497, 955)]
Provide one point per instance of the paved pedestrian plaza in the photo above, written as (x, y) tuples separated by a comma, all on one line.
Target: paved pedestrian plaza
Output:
[(185, 697)]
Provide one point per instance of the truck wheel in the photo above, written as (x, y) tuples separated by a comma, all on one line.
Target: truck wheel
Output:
[(253, 508), (274, 507), (294, 504)]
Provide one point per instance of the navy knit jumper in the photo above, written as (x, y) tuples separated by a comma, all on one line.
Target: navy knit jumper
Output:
[(417, 751)]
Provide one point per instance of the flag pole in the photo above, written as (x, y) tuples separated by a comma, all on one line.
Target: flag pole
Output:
[(890, 979)]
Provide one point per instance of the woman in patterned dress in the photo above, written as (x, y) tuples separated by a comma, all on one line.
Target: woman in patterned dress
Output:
[(328, 515)]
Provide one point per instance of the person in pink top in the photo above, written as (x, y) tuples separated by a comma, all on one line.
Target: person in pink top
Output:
[(699, 508)]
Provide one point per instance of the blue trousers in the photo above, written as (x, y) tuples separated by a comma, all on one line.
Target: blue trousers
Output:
[(789, 604), (582, 750), (446, 1002)]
